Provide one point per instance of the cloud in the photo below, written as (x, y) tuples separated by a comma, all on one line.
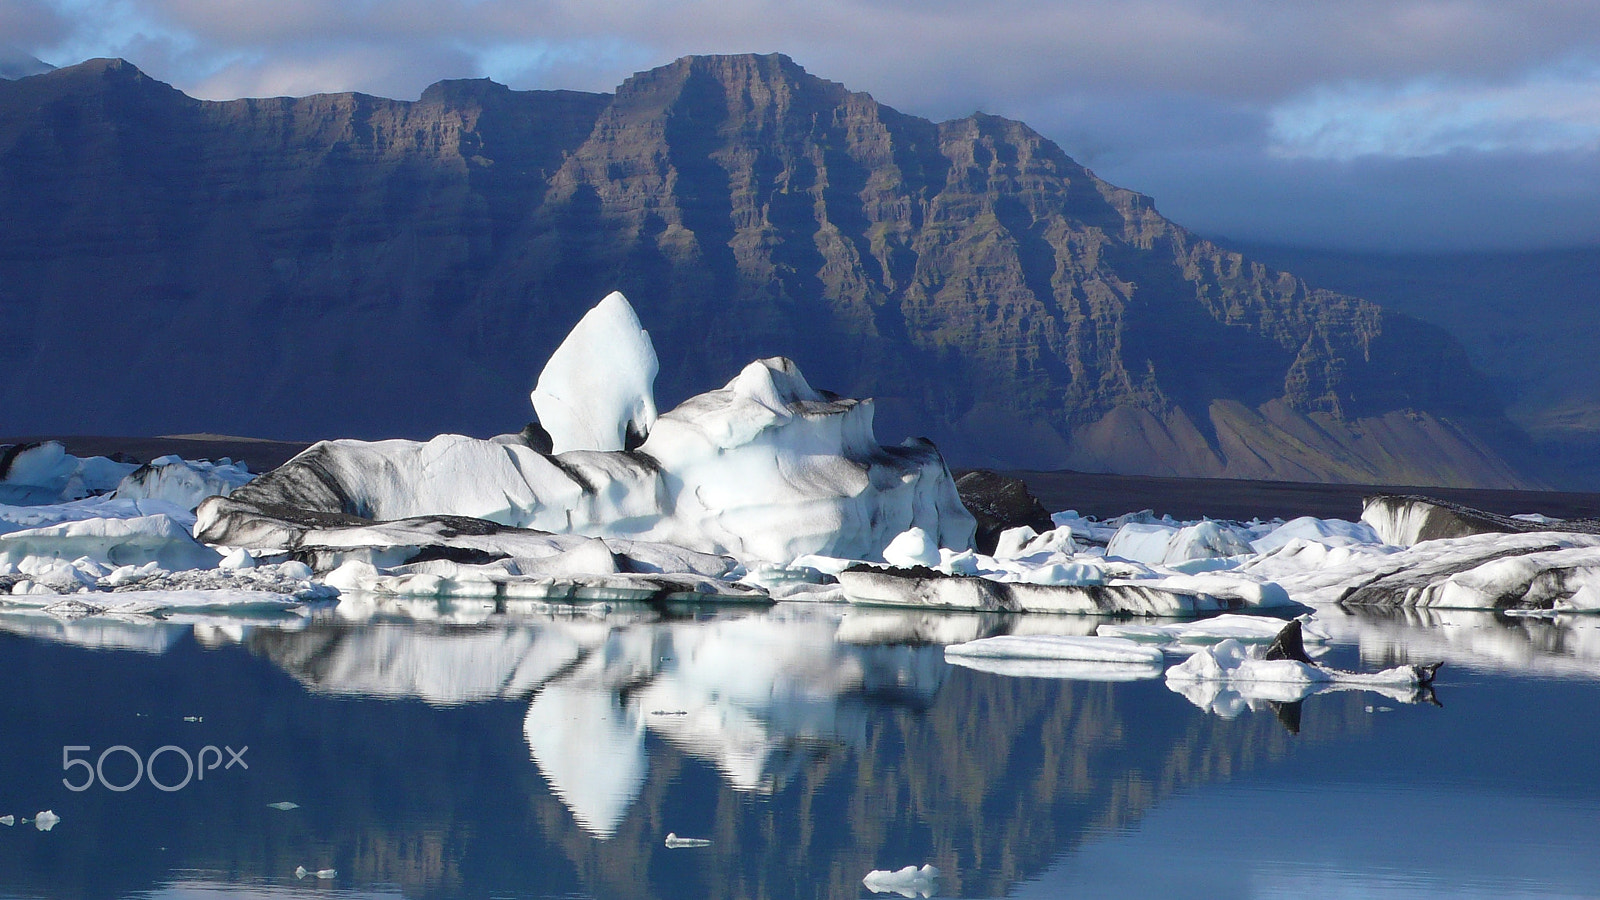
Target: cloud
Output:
[(1543, 112), (1172, 97)]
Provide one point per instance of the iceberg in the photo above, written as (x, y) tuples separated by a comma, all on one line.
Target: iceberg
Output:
[(1406, 520), (765, 469), (43, 472), (183, 483)]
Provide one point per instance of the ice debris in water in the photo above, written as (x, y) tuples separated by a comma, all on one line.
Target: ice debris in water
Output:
[(674, 842), (907, 882), (8, 821), (284, 805), (46, 820), (302, 872), (1285, 662)]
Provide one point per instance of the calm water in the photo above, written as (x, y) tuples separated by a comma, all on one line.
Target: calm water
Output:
[(548, 755)]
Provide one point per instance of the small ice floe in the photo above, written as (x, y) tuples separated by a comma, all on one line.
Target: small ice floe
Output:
[(1229, 677), (283, 805), (45, 820), (676, 843), (908, 882), (1055, 646), (8, 821), (303, 872), (1070, 657), (195, 719)]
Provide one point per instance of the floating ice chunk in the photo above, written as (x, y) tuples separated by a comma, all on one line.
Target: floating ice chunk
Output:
[(183, 483), (1141, 542), (283, 805), (1011, 542), (913, 547), (45, 473), (325, 874), (674, 842), (599, 385), (1207, 540), (1089, 649), (1060, 669), (1328, 532), (907, 882), (238, 559), (116, 542), (8, 821), (1232, 662), (46, 820)]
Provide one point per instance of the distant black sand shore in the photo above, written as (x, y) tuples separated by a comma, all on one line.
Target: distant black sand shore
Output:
[(1089, 494)]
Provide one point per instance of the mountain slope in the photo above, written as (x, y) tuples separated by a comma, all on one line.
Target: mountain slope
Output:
[(1514, 313), (346, 264)]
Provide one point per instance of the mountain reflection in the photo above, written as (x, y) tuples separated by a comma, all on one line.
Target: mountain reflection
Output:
[(484, 751)]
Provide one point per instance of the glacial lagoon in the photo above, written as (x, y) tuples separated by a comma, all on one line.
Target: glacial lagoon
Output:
[(467, 750)]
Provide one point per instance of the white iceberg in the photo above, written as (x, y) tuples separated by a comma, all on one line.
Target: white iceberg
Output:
[(42, 473), (135, 541), (183, 483), (766, 469)]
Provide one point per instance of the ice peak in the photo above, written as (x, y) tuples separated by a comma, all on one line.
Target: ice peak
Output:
[(599, 385)]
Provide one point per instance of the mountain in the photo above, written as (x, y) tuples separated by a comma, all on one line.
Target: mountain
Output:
[(350, 265), (1514, 313)]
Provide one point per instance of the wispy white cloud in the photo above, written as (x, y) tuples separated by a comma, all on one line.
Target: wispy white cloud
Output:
[(1549, 111)]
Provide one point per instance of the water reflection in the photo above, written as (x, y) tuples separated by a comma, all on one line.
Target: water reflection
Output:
[(474, 750), (1566, 646)]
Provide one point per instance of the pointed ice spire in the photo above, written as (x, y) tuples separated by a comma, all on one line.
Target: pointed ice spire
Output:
[(599, 385)]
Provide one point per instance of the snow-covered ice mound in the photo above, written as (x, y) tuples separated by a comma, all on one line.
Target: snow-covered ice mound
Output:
[(1537, 570), (38, 473), (766, 469)]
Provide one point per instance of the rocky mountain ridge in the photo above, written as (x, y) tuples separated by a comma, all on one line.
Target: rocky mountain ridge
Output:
[(344, 264)]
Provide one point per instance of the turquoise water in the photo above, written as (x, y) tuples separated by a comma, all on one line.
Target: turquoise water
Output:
[(549, 755)]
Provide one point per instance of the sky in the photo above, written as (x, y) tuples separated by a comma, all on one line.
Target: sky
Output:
[(1432, 125)]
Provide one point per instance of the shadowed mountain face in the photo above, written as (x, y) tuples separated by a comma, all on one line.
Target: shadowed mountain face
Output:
[(342, 264)]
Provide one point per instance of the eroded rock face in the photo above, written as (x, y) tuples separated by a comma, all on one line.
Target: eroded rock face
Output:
[(986, 289)]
